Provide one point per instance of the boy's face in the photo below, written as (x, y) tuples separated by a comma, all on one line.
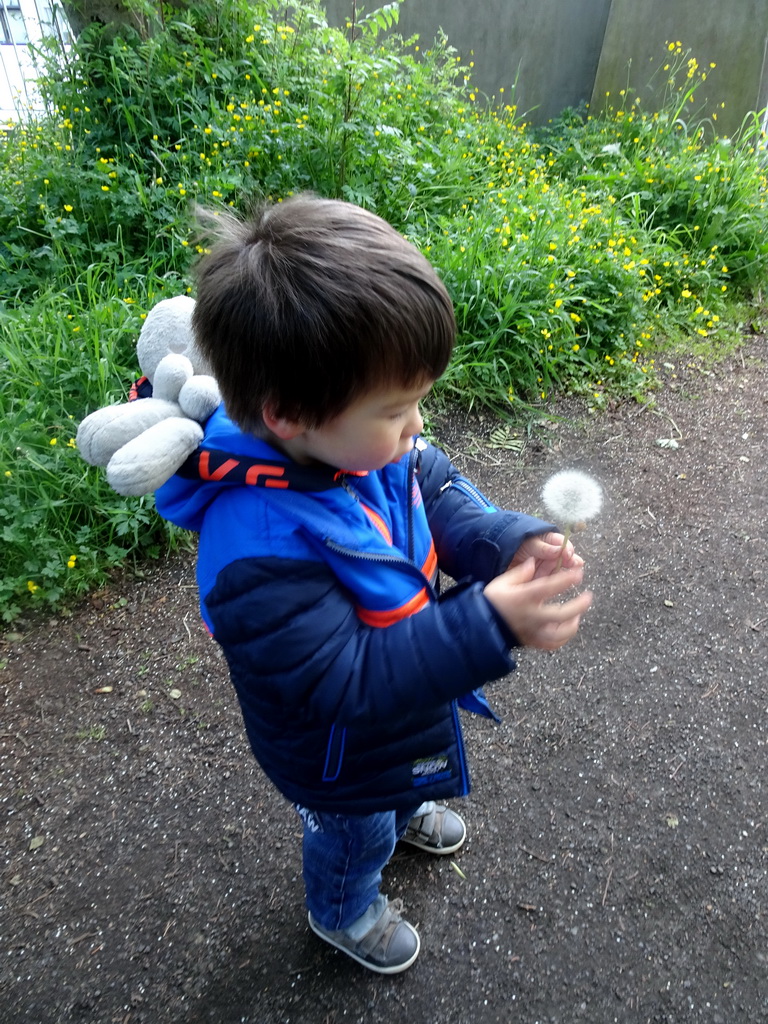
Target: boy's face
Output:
[(373, 431)]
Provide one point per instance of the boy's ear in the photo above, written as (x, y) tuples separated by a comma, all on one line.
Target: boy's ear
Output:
[(283, 428)]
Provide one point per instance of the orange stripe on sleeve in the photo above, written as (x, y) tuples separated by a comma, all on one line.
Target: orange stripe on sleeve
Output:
[(388, 618), (378, 522), (430, 562)]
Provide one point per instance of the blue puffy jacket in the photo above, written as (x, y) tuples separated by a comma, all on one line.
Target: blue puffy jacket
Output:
[(320, 588)]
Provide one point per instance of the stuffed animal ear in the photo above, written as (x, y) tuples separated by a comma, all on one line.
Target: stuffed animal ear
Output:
[(145, 463), (106, 430), (168, 328)]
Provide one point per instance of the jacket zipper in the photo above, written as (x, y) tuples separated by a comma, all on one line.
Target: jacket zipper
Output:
[(460, 746), (409, 497), (371, 556), (409, 523), (411, 568), (381, 557), (471, 492)]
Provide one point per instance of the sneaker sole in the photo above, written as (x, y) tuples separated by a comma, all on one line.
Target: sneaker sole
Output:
[(396, 969)]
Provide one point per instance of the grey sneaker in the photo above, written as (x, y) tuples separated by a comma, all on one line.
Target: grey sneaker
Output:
[(439, 831), (389, 947)]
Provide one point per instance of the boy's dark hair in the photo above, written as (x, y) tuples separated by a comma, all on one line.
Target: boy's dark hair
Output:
[(312, 303)]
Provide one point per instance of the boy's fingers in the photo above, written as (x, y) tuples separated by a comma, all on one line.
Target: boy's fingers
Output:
[(562, 628), (544, 588), (559, 635), (521, 573), (555, 540), (574, 561), (570, 609)]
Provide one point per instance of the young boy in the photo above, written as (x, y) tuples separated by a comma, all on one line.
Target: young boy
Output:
[(323, 521)]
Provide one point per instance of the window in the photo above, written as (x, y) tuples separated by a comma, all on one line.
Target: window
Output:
[(12, 28)]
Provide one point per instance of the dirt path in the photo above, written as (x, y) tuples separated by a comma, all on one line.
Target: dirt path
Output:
[(617, 865)]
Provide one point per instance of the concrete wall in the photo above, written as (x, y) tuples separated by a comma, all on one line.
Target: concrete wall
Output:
[(730, 34), (570, 51), (552, 47)]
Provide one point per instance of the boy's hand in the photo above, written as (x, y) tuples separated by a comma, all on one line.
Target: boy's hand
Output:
[(545, 550), (523, 599)]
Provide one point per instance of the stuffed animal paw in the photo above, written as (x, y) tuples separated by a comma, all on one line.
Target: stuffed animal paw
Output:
[(143, 442)]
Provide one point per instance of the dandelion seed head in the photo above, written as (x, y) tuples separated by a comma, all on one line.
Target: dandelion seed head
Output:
[(572, 497)]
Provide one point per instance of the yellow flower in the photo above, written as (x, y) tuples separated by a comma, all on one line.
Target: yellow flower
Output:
[(32, 586), (68, 208), (8, 472), (54, 440)]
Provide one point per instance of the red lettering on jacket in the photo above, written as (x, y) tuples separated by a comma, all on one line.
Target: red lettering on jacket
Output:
[(255, 471), (218, 474)]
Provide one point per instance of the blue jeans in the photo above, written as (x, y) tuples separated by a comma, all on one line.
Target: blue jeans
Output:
[(343, 858)]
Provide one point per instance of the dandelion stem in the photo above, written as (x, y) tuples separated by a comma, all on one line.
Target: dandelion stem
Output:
[(566, 538)]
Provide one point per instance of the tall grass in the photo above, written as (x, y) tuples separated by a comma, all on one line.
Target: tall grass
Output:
[(63, 351), (569, 252)]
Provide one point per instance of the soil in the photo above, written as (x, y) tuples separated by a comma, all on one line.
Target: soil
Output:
[(617, 856)]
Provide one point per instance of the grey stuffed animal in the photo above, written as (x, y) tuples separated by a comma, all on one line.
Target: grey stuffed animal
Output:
[(143, 442)]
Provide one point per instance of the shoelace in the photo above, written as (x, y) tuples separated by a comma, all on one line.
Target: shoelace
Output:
[(383, 930), (420, 832)]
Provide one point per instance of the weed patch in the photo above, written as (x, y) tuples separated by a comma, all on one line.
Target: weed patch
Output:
[(573, 254)]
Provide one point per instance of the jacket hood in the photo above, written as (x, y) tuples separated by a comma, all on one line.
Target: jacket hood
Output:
[(226, 458)]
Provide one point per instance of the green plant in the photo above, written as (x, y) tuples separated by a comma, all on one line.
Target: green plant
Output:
[(64, 354), (96, 733), (674, 177), (572, 253)]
